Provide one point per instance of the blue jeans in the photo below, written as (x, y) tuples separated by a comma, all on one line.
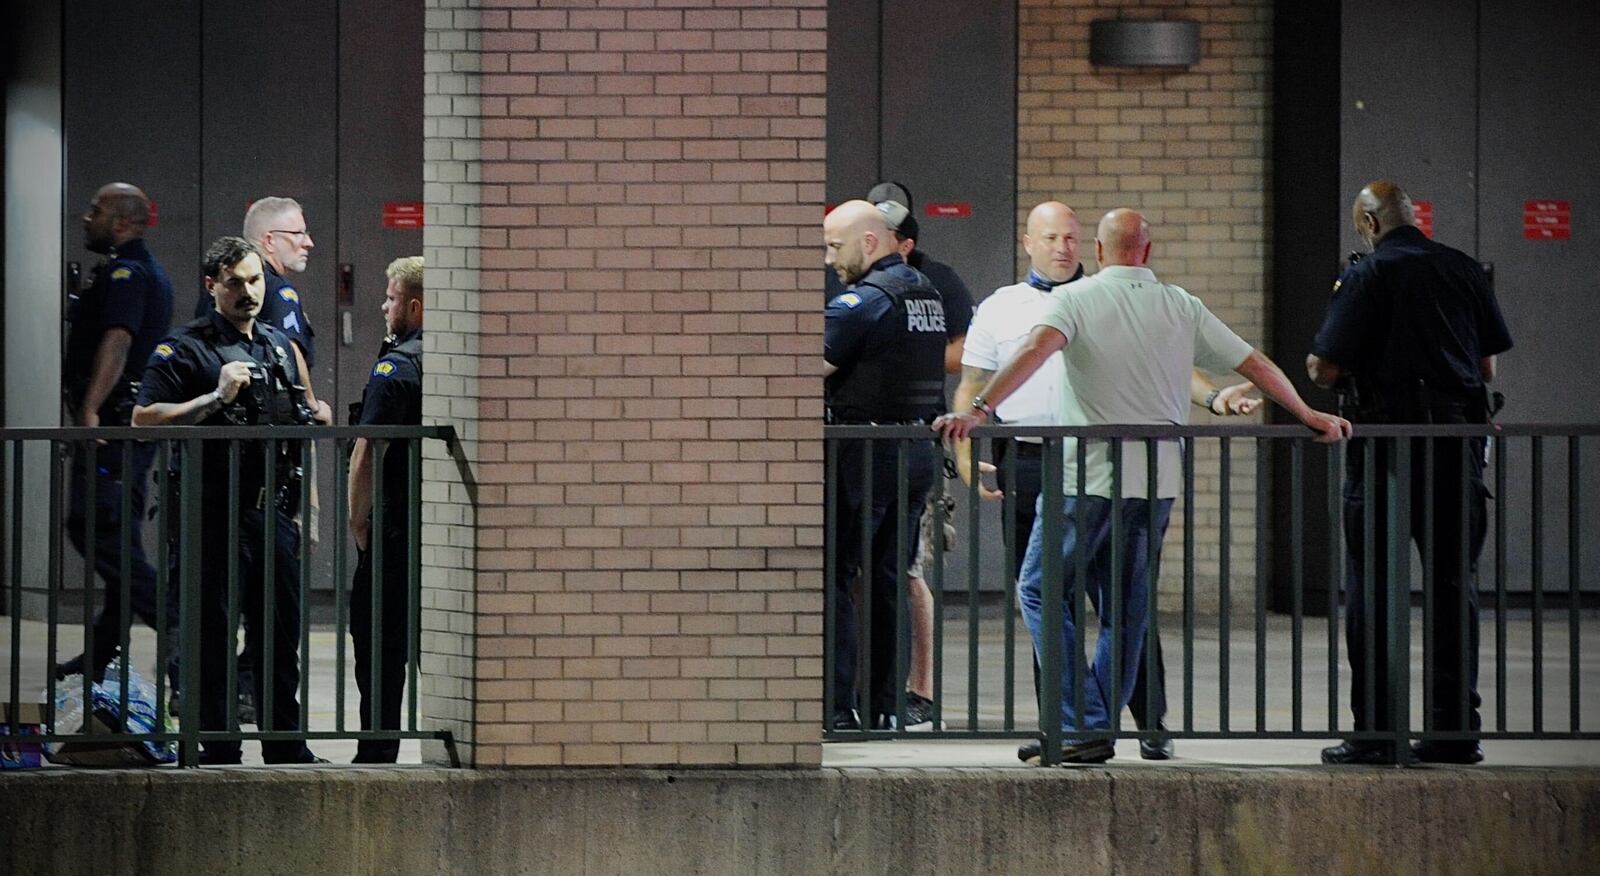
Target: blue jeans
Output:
[(1098, 703)]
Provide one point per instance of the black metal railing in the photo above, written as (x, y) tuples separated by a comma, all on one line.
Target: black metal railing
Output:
[(1400, 468), (204, 478)]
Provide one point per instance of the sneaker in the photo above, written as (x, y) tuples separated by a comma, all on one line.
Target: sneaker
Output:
[(1029, 752), (1360, 754), (246, 708), (919, 713), (845, 719)]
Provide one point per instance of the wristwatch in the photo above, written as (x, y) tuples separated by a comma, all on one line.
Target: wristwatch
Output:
[(979, 404), (1211, 401)]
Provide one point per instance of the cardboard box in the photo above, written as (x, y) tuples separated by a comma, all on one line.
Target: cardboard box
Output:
[(19, 752)]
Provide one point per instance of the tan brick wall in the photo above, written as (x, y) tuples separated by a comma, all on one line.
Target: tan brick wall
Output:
[(638, 295), (1189, 149)]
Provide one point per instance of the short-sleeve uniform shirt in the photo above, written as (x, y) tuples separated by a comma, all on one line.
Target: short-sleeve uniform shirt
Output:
[(393, 397), (1414, 310), (130, 291), (999, 329), (1132, 344)]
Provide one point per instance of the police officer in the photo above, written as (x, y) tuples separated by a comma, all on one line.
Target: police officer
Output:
[(884, 364), (115, 324), (228, 368), (1411, 336), (393, 397)]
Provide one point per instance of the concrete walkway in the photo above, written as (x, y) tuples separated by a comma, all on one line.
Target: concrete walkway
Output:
[(1204, 716)]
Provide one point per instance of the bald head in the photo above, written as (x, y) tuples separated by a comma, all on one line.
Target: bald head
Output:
[(856, 235), (118, 214), (1123, 238), (1052, 241), (1381, 207)]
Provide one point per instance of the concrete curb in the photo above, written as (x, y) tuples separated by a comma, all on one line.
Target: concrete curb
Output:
[(1097, 820)]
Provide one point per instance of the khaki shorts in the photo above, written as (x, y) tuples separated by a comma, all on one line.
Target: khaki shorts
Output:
[(925, 531)]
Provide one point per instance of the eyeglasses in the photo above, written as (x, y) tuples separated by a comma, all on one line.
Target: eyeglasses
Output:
[(301, 233)]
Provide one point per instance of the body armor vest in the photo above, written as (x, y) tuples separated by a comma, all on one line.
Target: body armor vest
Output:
[(902, 380)]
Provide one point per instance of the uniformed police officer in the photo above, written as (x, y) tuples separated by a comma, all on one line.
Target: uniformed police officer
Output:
[(393, 397), (115, 324), (884, 364), (228, 368), (1411, 336)]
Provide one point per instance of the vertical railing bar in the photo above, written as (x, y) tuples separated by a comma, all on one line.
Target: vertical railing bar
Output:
[(58, 462), (1009, 525), (1048, 644), (266, 677), (1336, 537), (1156, 680), (1429, 582), (413, 577), (1399, 599), (1468, 581), (1537, 576), (125, 579), (1297, 580), (936, 591), (1080, 660), (1369, 550), (1574, 563), (1501, 446), (18, 449), (307, 473), (830, 574), (1118, 559), (232, 683), (1188, 584), (974, 567), (164, 631), (341, 562), (91, 557), (864, 616), (1224, 591), (1263, 479), (902, 638), (380, 449), (189, 552)]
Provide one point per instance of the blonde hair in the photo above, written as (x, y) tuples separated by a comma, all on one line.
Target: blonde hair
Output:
[(408, 271)]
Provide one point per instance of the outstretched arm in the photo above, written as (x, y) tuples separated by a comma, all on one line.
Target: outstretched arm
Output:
[(1261, 371)]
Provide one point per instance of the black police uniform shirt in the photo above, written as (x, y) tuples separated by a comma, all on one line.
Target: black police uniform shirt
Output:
[(393, 397), (186, 365), (1414, 310), (957, 298), (130, 291), (281, 309)]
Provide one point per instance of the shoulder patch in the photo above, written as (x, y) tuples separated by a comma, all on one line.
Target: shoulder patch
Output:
[(1337, 284), (383, 369), (121, 273), (291, 323), (164, 351), (849, 299), (287, 293)]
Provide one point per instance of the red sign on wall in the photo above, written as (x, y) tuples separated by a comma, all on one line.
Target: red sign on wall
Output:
[(952, 210), (402, 214), (1547, 220), (1424, 216)]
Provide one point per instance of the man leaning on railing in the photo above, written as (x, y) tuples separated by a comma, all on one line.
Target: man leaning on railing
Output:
[(223, 369), (1130, 343)]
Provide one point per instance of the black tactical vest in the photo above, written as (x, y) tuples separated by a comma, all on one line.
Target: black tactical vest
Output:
[(410, 350), (902, 380)]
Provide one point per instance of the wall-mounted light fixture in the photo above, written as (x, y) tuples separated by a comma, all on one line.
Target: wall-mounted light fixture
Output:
[(1117, 42)]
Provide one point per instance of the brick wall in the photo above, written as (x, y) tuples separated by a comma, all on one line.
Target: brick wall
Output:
[(1188, 149), (638, 192)]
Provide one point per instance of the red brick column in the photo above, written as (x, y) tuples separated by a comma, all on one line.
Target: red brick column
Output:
[(649, 188)]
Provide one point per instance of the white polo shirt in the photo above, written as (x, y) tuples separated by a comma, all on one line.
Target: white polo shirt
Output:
[(1132, 344), (999, 328)]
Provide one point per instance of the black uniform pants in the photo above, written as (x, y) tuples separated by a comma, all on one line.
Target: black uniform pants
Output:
[(104, 493), (392, 634), (1029, 461), (217, 634), (882, 581), (1454, 644)]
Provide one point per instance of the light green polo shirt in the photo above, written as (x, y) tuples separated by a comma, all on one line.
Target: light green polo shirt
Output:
[(1132, 343)]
